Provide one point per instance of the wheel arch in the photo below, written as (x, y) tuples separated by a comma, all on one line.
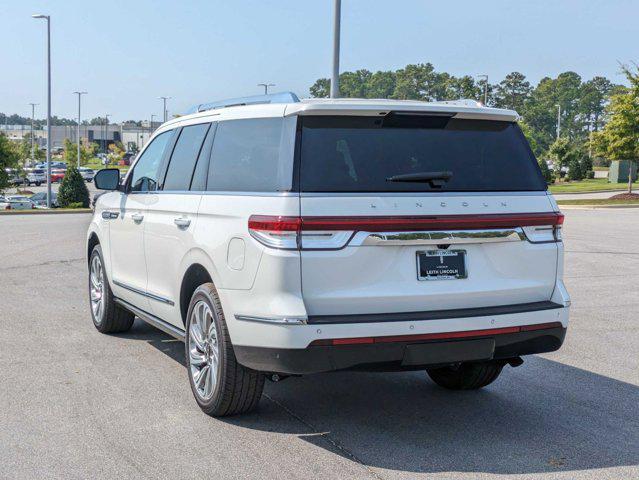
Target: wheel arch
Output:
[(196, 274)]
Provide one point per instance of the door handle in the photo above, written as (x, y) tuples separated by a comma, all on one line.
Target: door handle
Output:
[(137, 217), (109, 215), (182, 222)]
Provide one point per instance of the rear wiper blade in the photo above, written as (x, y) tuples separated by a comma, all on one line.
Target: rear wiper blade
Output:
[(435, 179)]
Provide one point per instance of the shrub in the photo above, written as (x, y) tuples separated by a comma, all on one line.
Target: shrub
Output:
[(74, 205), (590, 174), (73, 189), (576, 169), (546, 172)]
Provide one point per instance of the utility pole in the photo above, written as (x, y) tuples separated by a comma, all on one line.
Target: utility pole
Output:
[(485, 88), (265, 85), (151, 130), (164, 99), (79, 94), (558, 120), (48, 19), (336, 40)]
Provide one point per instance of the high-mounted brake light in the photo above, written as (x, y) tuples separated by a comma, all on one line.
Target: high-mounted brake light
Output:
[(334, 232)]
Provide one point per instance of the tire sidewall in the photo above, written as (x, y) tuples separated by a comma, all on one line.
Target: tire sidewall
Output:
[(203, 293), (97, 251)]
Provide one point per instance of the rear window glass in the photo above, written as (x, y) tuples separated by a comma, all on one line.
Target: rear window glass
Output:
[(185, 154), (361, 154)]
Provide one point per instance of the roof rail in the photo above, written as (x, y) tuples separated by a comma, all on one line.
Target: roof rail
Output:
[(281, 97)]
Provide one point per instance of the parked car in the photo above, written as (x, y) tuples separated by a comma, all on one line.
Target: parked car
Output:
[(13, 178), (16, 202), (40, 199), (57, 175), (36, 177), (87, 174), (289, 237)]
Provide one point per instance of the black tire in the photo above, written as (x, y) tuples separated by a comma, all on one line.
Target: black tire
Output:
[(467, 376), (37, 184), (238, 389), (113, 318)]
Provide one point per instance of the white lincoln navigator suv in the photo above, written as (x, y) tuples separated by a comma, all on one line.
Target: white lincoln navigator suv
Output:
[(281, 237)]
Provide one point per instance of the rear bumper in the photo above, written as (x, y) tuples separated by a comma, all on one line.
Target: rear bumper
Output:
[(404, 354)]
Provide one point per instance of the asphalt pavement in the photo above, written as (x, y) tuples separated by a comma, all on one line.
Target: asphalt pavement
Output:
[(75, 404)]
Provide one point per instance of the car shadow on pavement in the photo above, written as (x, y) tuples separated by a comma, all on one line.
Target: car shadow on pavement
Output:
[(544, 416)]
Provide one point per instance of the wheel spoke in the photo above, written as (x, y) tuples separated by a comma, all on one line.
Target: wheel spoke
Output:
[(197, 358), (200, 377), (195, 334)]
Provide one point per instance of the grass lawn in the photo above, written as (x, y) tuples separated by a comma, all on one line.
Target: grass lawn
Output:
[(96, 164), (598, 201), (590, 185)]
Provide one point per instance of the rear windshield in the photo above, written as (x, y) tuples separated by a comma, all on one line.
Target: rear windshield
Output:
[(361, 154)]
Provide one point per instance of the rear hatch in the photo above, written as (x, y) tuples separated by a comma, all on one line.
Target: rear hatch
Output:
[(411, 212)]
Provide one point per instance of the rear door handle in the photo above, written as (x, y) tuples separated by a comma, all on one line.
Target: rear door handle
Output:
[(182, 222), (137, 217)]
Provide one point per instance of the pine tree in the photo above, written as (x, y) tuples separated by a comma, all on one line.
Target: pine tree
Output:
[(73, 191)]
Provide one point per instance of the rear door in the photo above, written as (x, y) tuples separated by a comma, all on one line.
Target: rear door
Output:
[(171, 219), (411, 213)]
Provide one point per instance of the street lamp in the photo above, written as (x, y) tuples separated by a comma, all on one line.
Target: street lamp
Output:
[(48, 19), (336, 37), (265, 85), (164, 99), (152, 129), (485, 88), (558, 120), (106, 131), (33, 105), (79, 94)]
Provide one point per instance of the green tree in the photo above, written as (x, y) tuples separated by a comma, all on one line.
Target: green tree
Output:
[(619, 139), (9, 158), (563, 154), (545, 171), (321, 88), (73, 190), (513, 92)]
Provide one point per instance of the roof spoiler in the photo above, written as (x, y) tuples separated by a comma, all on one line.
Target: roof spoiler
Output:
[(281, 97)]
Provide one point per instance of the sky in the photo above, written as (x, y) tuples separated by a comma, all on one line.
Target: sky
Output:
[(128, 53)]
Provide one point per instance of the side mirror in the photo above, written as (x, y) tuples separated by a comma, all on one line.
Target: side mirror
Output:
[(107, 179)]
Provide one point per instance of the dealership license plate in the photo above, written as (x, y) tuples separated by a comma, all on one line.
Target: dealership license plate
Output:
[(441, 265)]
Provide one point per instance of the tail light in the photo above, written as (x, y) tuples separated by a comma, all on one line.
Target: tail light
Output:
[(333, 233)]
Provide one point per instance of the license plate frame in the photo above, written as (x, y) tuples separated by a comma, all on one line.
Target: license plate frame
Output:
[(453, 269)]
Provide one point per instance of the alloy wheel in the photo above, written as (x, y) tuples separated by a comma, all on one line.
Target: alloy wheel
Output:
[(204, 353)]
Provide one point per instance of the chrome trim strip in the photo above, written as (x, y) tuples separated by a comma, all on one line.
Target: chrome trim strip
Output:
[(537, 193), (143, 293), (228, 194), (451, 237), (283, 320), (158, 323)]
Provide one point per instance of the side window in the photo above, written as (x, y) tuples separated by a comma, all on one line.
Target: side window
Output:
[(201, 172), (145, 173), (245, 156), (184, 157)]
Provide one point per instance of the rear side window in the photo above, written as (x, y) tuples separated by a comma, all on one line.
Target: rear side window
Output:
[(361, 154), (146, 171), (184, 157), (245, 156)]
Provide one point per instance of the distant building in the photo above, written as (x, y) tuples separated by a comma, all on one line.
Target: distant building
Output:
[(132, 137)]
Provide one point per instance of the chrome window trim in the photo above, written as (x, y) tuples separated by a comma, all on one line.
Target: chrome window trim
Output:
[(238, 194), (536, 193), (143, 293)]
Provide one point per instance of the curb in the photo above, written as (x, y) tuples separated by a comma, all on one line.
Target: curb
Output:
[(42, 211), (590, 192), (596, 207)]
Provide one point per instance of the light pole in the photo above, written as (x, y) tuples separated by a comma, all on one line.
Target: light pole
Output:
[(106, 131), (164, 99), (33, 105), (79, 94), (485, 88), (558, 120), (152, 129), (336, 34), (265, 85), (48, 19)]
